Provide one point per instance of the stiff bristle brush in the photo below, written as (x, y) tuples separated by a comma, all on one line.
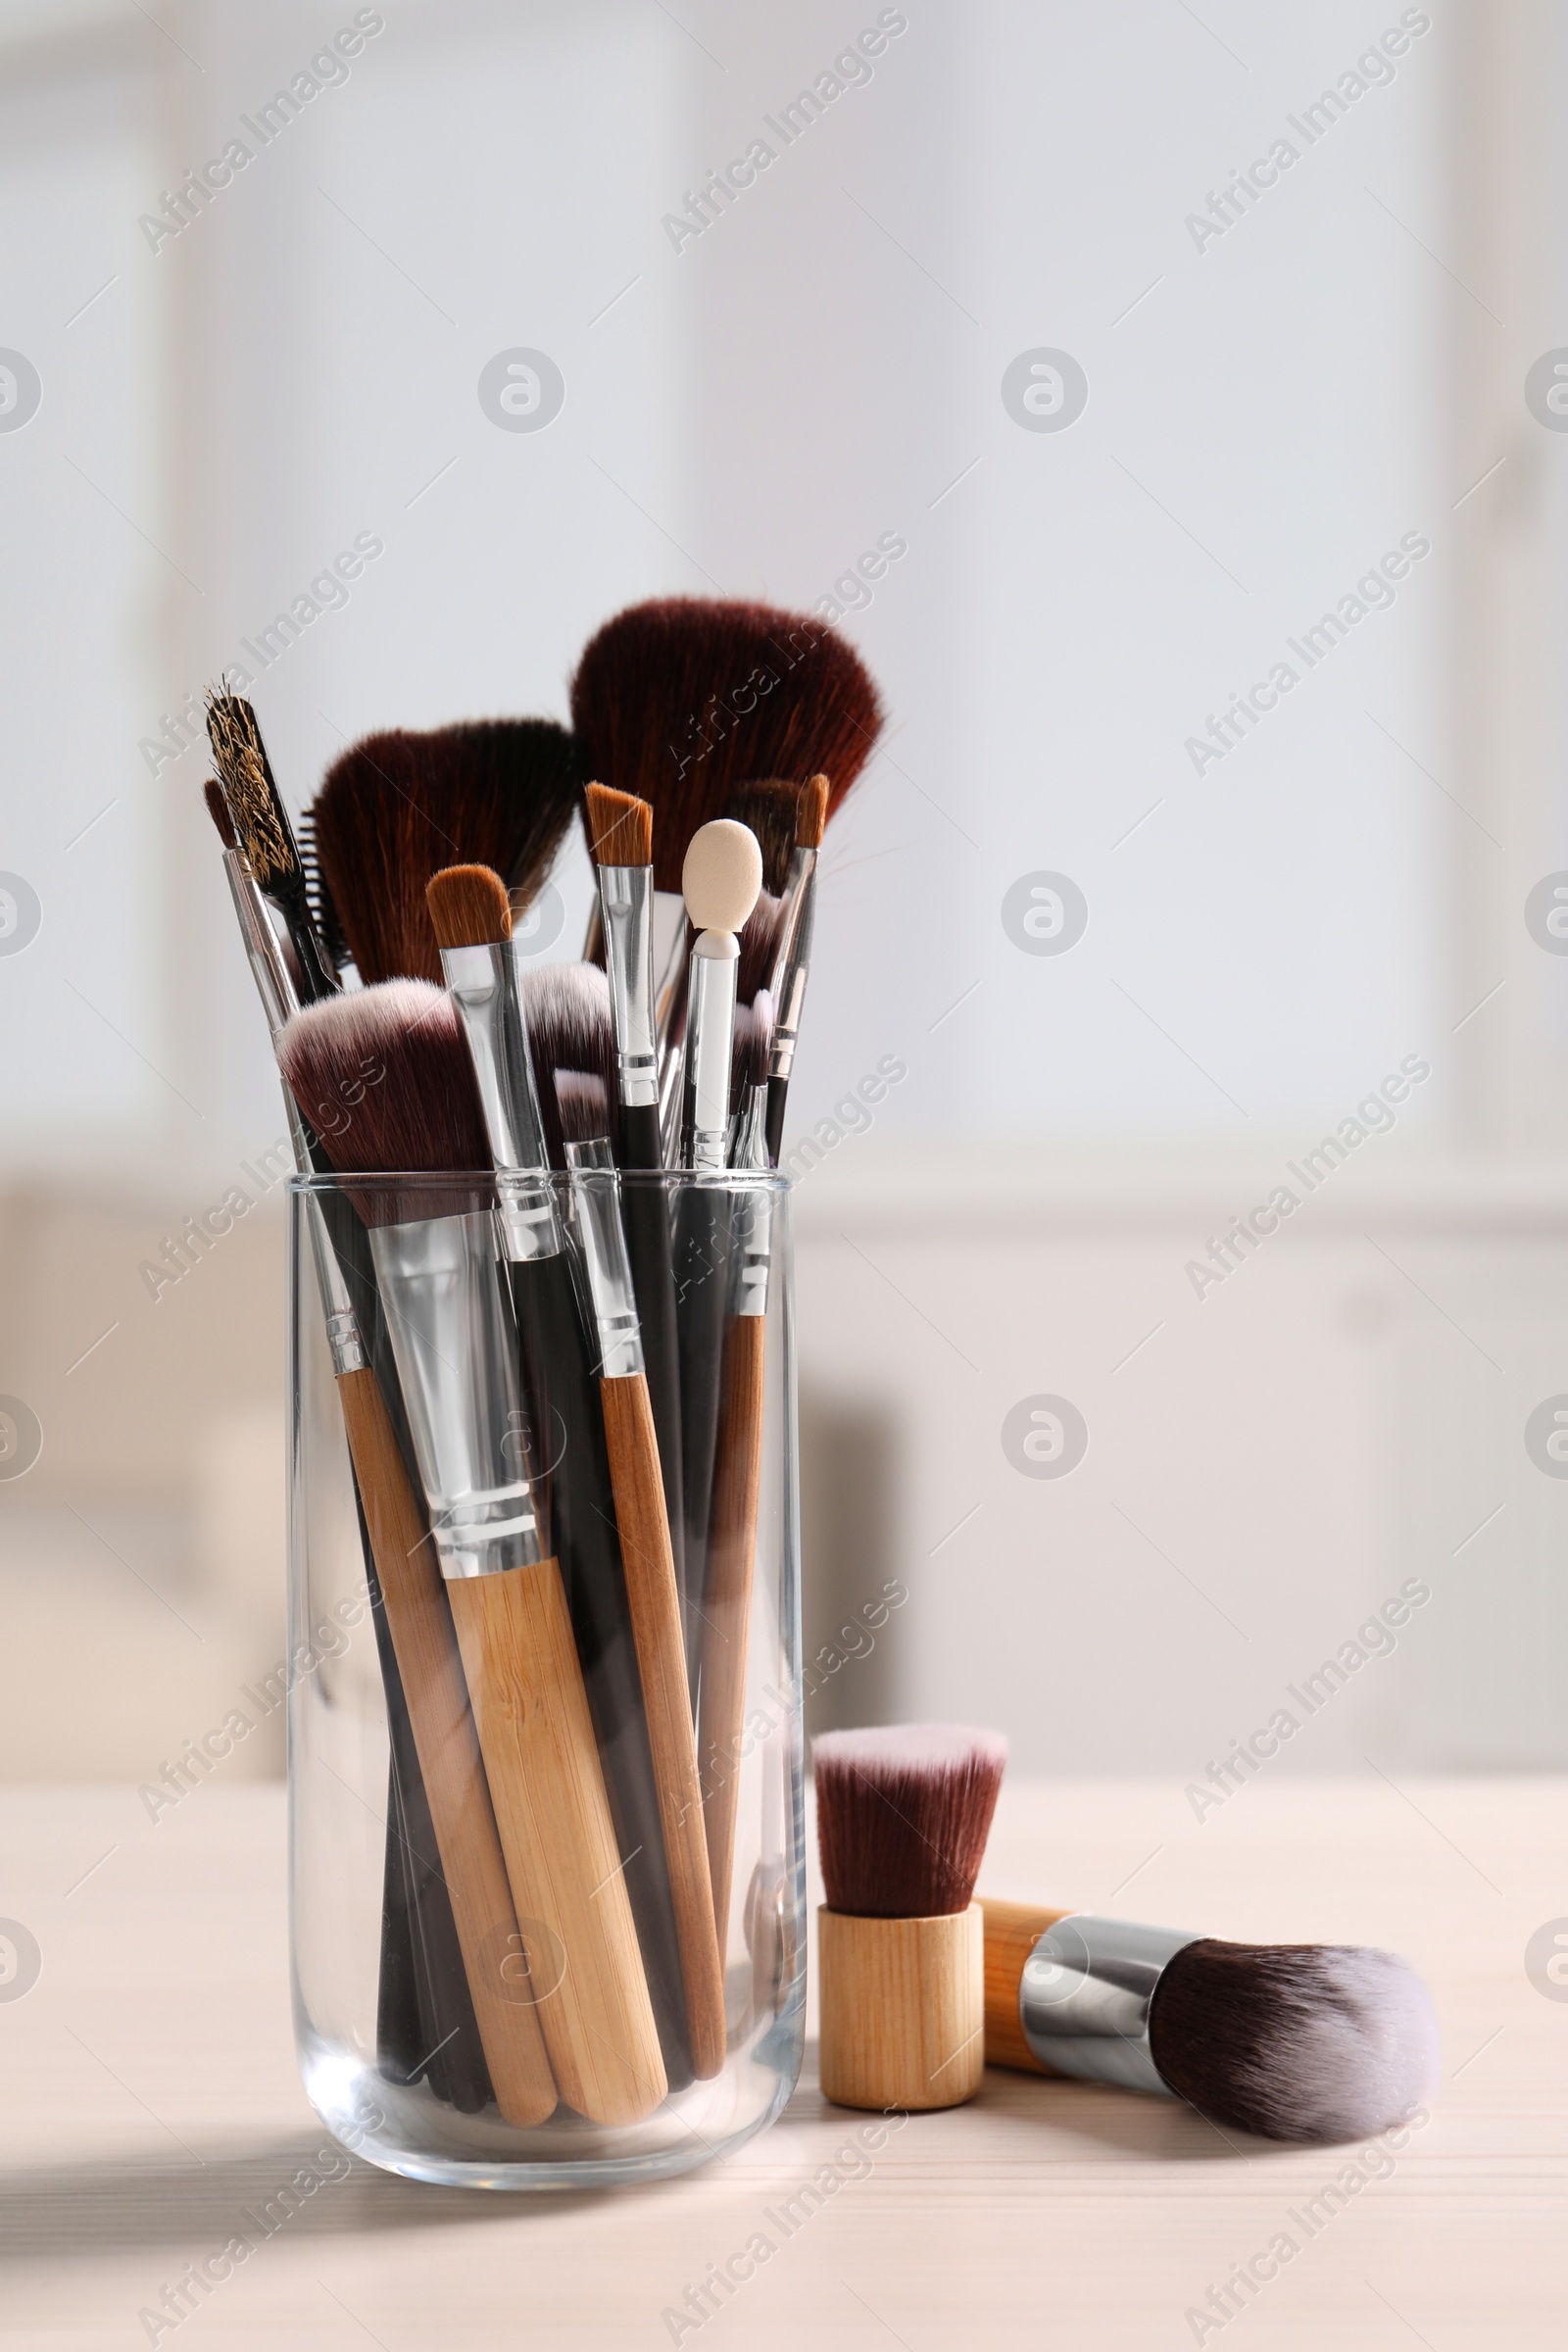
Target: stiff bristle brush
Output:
[(265, 839), (903, 1816), (435, 1251), (1317, 2042), (396, 807)]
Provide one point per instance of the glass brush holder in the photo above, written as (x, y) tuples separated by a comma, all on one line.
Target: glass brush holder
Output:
[(545, 1759)]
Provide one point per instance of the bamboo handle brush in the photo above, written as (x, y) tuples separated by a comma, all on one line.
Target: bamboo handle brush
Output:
[(435, 1249), (644, 1550)]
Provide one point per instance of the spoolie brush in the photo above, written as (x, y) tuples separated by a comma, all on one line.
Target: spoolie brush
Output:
[(903, 1816), (266, 838), (1315, 2043), (398, 808)]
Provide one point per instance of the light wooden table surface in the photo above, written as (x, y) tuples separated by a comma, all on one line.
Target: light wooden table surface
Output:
[(149, 2093)]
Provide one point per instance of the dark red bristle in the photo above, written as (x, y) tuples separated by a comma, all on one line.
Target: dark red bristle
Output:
[(903, 1816), (760, 938), (568, 1011)]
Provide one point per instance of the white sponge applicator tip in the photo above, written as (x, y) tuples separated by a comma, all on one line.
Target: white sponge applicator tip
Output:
[(723, 876)]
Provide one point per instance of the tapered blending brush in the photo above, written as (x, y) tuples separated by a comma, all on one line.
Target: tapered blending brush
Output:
[(435, 1255), (645, 1550), (397, 806), (721, 877), (748, 1087), (770, 808), (681, 701), (901, 1817), (567, 1011), (435, 1975), (1317, 2042), (620, 831), (266, 838), (793, 966)]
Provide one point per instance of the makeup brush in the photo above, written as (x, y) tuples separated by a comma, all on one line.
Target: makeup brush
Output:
[(721, 877), (322, 904), (433, 1973), (397, 806), (902, 1819), (266, 838), (681, 701), (748, 1081), (793, 965), (473, 921), (645, 1550), (435, 1254), (770, 808), (567, 1007), (1302, 2041)]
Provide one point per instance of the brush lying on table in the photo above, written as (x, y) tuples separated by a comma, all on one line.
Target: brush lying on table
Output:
[(1302, 2041)]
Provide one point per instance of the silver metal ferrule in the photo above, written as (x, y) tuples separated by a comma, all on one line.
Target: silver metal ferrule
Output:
[(792, 965), (343, 1335), (711, 992), (262, 949), (671, 930), (450, 1316), (751, 1257), (484, 986), (1085, 1996), (596, 1199), (626, 899)]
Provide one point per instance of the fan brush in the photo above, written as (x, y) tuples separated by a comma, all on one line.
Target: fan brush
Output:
[(398, 808)]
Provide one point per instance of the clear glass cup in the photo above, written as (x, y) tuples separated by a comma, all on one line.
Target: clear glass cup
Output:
[(479, 1689)]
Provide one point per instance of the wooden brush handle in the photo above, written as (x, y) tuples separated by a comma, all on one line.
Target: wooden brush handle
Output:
[(646, 1556), (901, 2009), (1012, 1930), (727, 1602), (419, 1622), (537, 1740)]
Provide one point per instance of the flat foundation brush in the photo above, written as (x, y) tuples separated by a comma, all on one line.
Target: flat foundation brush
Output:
[(644, 1550), (792, 968), (903, 1816), (266, 838), (435, 1254), (397, 806), (1317, 2042)]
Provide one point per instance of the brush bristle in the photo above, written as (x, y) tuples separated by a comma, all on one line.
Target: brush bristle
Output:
[(384, 1077), (318, 897), (815, 809), (568, 1011), (903, 1816), (255, 810), (218, 811), (770, 808), (468, 906), (620, 827), (396, 807), (751, 1046), (683, 700), (1295, 2041), (760, 940), (583, 1100)]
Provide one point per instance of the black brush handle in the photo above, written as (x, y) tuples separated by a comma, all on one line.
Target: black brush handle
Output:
[(645, 1215), (701, 1283), (773, 1128), (559, 1369), (399, 2027)]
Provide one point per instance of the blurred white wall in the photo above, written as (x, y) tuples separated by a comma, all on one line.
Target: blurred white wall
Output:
[(755, 408)]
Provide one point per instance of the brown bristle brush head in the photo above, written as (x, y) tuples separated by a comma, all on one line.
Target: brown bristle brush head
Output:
[(256, 811), (750, 1045), (383, 1075), (816, 805), (682, 701), (903, 1816), (1305, 2042), (469, 906), (759, 943), (582, 1101), (218, 811), (396, 807), (567, 1007), (771, 810), (620, 827)]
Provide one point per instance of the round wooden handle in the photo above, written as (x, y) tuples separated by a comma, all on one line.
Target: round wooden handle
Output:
[(903, 2009), (1012, 1930)]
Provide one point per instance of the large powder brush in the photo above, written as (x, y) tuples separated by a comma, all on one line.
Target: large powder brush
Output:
[(1315, 2043), (903, 1816), (398, 808)]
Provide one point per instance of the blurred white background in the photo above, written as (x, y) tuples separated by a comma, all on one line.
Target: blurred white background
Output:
[(1270, 411)]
